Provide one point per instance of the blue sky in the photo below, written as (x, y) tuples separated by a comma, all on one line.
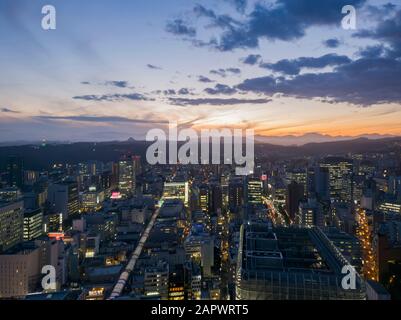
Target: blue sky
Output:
[(115, 69)]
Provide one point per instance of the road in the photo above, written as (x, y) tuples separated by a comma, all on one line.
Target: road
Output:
[(122, 281), (276, 217)]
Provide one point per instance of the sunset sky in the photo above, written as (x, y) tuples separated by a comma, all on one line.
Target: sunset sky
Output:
[(114, 69)]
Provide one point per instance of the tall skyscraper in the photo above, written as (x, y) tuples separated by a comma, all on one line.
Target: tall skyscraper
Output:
[(253, 191), (235, 195), (15, 170), (216, 199), (11, 224), (137, 164), (204, 197), (340, 175), (126, 176), (295, 193), (33, 224), (63, 197)]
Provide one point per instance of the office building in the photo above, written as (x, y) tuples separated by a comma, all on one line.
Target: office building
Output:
[(92, 199), (177, 190), (126, 176), (290, 264), (64, 198), (295, 193), (33, 224), (204, 197), (253, 191), (340, 178), (11, 224), (235, 195), (15, 170), (156, 280)]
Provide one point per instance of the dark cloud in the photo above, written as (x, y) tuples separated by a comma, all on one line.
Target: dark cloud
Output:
[(184, 91), (378, 12), (285, 20), (293, 67), (252, 59), (223, 21), (332, 43), (223, 72), (8, 110), (204, 79), (215, 101), (179, 27), (172, 92), (388, 30), (113, 83), (99, 119), (219, 72), (373, 78), (169, 92), (153, 67), (234, 70), (119, 84), (372, 51), (365, 81), (221, 89), (113, 97)]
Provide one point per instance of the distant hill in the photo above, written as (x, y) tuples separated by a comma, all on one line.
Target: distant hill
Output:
[(38, 156), (291, 140)]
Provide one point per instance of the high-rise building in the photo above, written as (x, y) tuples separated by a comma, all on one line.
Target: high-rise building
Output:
[(295, 193), (10, 194), (194, 281), (290, 264), (126, 177), (235, 195), (253, 191), (177, 190), (11, 224), (64, 198), (15, 170), (53, 222), (216, 200), (318, 181), (340, 175), (310, 213), (156, 280), (394, 186), (137, 165), (33, 224), (299, 176), (176, 286), (204, 197), (92, 199)]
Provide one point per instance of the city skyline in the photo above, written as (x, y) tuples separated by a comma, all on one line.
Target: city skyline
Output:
[(114, 71)]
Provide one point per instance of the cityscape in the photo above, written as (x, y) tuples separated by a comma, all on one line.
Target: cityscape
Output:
[(123, 229), (232, 150)]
